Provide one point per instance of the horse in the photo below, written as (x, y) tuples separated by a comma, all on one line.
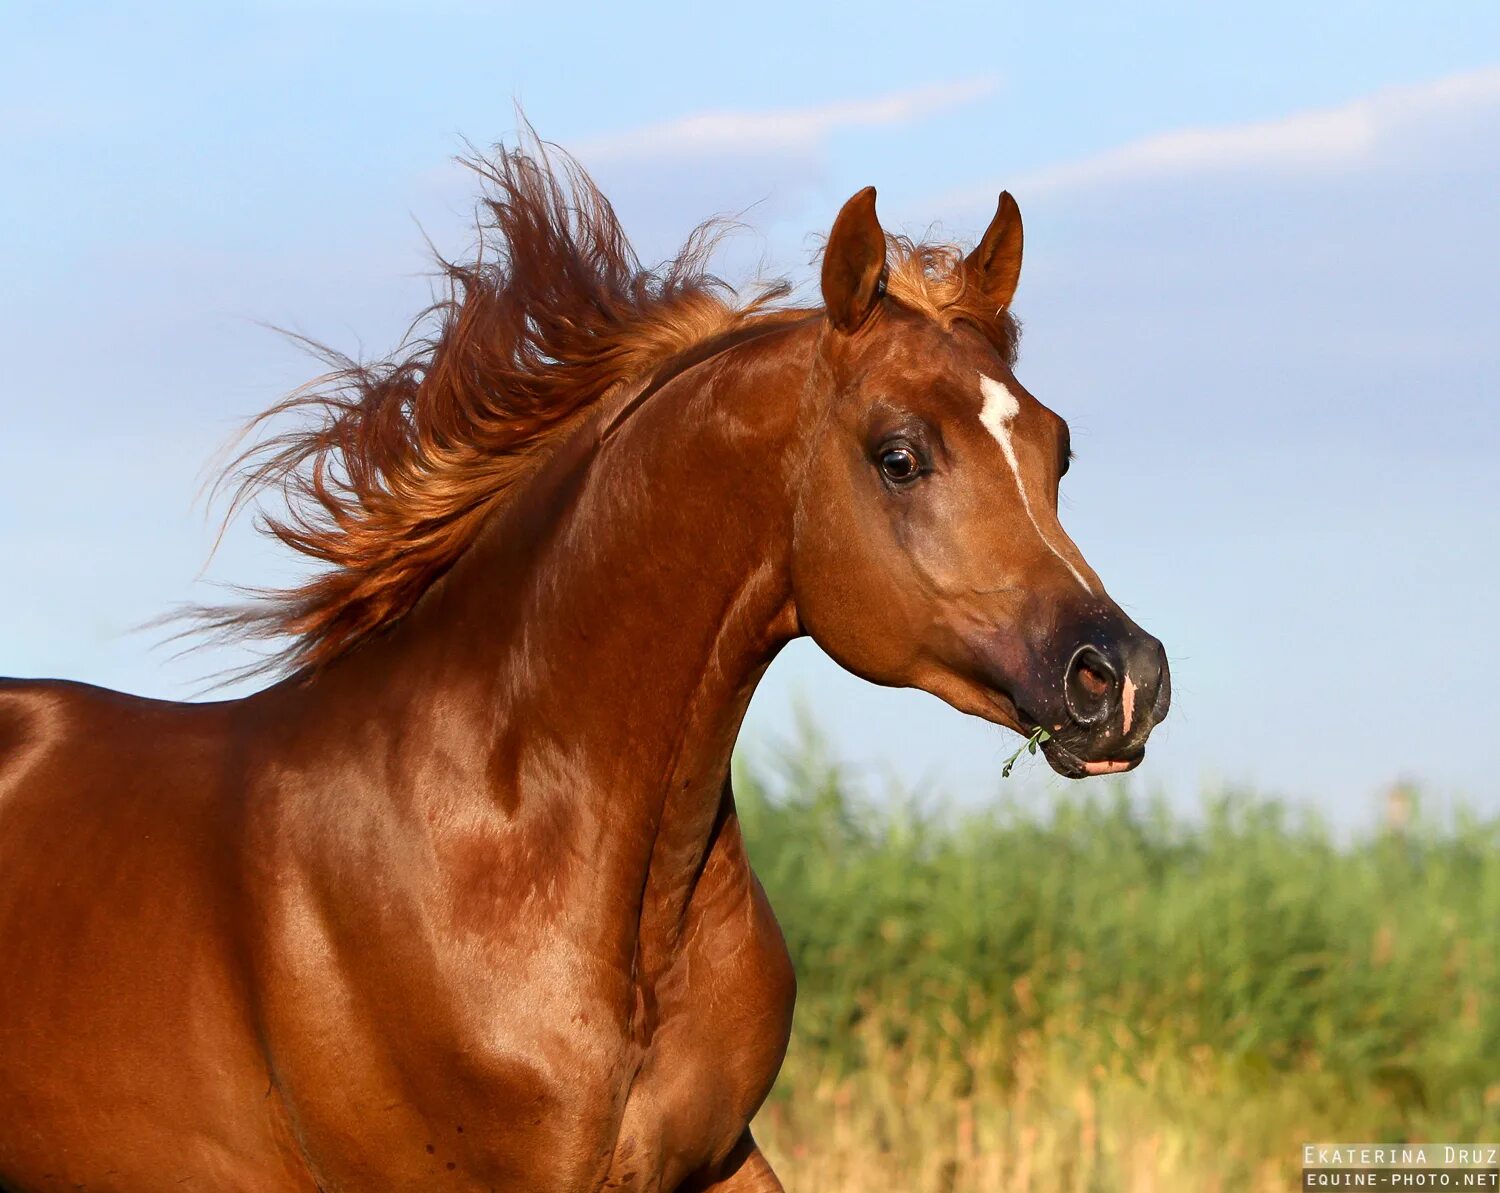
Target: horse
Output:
[(458, 899)]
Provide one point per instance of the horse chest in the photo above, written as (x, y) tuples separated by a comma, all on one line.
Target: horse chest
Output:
[(724, 1017)]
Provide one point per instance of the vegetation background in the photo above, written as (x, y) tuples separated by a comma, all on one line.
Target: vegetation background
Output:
[(1103, 994)]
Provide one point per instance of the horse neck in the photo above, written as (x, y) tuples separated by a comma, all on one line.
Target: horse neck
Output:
[(580, 676)]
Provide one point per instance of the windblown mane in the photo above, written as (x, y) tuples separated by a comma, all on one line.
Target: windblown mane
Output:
[(394, 465)]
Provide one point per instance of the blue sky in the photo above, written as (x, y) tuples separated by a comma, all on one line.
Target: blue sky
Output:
[(1261, 284)]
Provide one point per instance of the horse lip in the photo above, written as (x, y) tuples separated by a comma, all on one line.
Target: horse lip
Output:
[(1070, 766), (1062, 760)]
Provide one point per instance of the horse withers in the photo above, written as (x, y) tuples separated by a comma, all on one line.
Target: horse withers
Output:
[(460, 902)]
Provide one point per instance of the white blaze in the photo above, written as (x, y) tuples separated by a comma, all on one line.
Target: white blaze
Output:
[(998, 412)]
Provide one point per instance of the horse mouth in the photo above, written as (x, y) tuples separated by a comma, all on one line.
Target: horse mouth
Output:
[(1066, 763), (1061, 756)]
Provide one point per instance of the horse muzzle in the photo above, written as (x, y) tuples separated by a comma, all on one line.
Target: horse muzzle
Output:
[(1115, 689)]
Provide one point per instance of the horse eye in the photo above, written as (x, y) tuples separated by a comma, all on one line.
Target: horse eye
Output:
[(900, 465)]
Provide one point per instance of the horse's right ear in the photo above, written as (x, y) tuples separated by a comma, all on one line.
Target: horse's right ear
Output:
[(853, 262), (995, 266)]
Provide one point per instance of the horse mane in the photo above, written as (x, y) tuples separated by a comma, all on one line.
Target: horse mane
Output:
[(929, 277), (393, 466)]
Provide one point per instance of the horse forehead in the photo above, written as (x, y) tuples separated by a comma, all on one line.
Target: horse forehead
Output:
[(944, 375), (998, 404), (1004, 405)]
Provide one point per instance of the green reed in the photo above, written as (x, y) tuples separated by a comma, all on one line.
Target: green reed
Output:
[(1223, 964)]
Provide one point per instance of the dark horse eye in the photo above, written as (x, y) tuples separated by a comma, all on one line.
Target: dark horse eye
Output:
[(900, 464)]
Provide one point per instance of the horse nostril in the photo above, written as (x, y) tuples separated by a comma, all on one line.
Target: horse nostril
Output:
[(1093, 682), (1090, 685)]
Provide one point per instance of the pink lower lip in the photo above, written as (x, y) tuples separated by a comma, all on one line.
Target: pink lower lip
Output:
[(1105, 768)]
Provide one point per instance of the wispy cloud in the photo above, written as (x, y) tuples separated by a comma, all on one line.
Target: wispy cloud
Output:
[(1335, 138), (780, 130)]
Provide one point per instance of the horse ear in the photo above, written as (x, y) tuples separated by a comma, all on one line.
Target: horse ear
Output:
[(995, 266), (853, 262)]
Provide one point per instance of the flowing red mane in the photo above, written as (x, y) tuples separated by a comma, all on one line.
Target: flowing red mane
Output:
[(395, 464)]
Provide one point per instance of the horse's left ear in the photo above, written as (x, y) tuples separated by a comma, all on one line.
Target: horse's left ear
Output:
[(995, 266)]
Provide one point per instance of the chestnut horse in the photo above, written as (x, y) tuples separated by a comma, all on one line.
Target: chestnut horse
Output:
[(461, 901)]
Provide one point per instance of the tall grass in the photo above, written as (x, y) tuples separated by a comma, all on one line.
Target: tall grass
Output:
[(1102, 995)]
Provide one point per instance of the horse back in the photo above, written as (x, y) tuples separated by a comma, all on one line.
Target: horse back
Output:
[(119, 907), (85, 771)]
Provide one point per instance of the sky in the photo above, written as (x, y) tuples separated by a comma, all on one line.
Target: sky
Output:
[(1263, 265)]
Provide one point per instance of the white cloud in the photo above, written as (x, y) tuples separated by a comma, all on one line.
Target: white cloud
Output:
[(780, 129), (1336, 138)]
